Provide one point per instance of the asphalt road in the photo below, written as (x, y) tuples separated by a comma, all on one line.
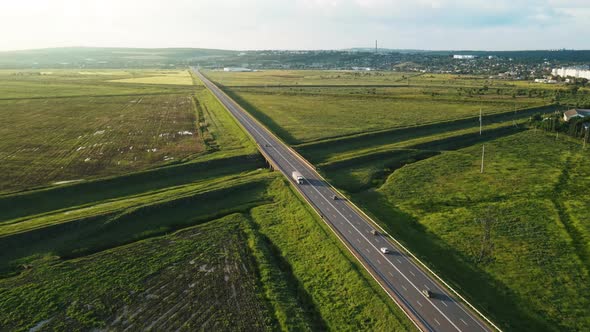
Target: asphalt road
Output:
[(397, 273)]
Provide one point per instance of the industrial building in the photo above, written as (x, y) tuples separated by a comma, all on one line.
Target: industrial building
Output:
[(464, 56), (237, 69)]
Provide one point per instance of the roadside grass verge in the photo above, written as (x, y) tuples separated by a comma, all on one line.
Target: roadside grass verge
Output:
[(340, 290)]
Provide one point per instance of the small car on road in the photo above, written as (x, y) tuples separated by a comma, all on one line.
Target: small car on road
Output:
[(374, 232), (427, 293), (384, 250), (334, 197)]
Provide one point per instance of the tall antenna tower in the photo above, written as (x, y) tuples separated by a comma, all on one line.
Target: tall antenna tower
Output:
[(375, 46)]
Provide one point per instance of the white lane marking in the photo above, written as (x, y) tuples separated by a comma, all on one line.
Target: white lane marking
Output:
[(367, 249), (426, 287), (398, 260), (349, 232), (378, 261), (412, 273), (333, 215), (391, 274), (420, 304), (377, 240), (358, 240), (452, 300), (404, 287), (437, 321), (461, 319)]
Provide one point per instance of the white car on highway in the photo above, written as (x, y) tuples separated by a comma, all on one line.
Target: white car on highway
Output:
[(385, 250)]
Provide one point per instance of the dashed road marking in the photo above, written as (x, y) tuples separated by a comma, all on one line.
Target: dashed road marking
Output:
[(412, 273), (437, 321), (420, 304), (404, 287), (426, 287), (391, 274), (443, 302), (378, 261), (398, 260), (461, 319)]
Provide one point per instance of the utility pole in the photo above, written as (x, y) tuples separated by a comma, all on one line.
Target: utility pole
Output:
[(483, 152), (480, 122), (375, 46)]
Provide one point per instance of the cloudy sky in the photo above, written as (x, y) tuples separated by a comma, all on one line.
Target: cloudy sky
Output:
[(297, 24)]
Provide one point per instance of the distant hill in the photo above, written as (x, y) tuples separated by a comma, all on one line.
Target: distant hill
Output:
[(94, 57)]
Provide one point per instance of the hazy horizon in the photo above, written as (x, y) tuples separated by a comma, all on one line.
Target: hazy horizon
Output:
[(297, 25)]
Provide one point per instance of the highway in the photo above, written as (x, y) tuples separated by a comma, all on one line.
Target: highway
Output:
[(396, 272)]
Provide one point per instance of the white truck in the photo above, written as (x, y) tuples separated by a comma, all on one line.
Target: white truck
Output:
[(297, 177)]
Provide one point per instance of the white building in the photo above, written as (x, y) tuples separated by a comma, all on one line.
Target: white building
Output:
[(578, 72), (463, 56), (575, 113), (233, 69)]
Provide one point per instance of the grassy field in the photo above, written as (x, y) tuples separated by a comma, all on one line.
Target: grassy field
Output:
[(52, 140), (63, 126), (53, 83), (520, 221), (164, 77), (201, 278), (301, 115)]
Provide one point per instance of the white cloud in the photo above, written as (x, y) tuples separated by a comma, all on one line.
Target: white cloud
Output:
[(258, 24)]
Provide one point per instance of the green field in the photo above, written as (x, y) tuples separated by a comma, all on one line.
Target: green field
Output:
[(204, 277), (536, 253), (63, 126), (304, 77), (301, 115)]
